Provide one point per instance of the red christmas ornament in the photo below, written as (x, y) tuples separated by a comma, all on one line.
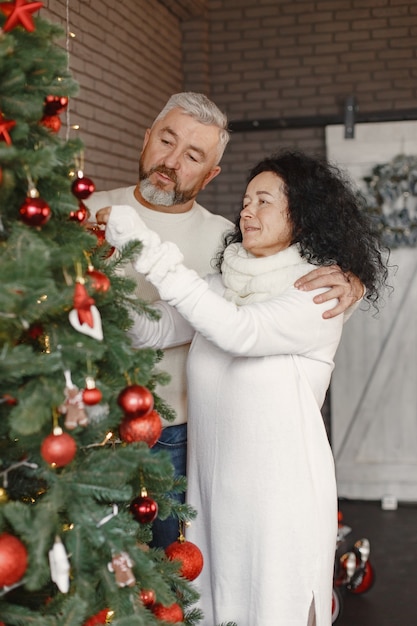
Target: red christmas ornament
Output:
[(147, 428), (82, 187), (143, 508), (54, 105), (172, 614), (8, 399), (5, 126), (19, 12), (79, 215), (99, 618), (135, 401), (52, 122), (99, 281), (91, 395), (147, 597), (189, 555), (35, 212), (83, 304), (58, 448), (13, 560)]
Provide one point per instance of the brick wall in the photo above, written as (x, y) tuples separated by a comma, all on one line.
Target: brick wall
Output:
[(257, 59), (126, 57)]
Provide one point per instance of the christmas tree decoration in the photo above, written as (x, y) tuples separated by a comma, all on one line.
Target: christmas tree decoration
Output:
[(13, 560), (135, 401), (143, 508), (121, 564), (102, 617), (52, 123), (54, 105), (59, 448), (171, 614), (82, 187), (99, 280), (19, 13), (189, 555), (85, 316), (79, 215), (5, 126), (59, 564), (73, 405), (35, 211), (3, 496), (91, 395), (147, 597), (147, 428)]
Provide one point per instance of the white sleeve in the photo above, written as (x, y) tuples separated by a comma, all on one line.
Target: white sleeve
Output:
[(170, 330)]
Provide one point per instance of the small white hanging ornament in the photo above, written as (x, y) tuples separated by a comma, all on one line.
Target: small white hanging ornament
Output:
[(59, 565)]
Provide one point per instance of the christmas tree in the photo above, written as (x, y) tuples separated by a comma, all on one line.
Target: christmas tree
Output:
[(79, 482)]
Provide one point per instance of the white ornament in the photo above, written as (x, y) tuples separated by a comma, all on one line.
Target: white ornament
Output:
[(95, 331), (59, 565)]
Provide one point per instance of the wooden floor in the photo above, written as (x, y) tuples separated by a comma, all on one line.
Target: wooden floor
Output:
[(392, 601)]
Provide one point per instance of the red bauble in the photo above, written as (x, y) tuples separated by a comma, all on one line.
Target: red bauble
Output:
[(144, 509), (147, 428), (172, 614), (54, 105), (147, 597), (35, 212), (189, 555), (98, 618), (135, 401), (58, 449), (13, 560), (99, 281), (82, 187), (79, 215), (52, 122), (92, 396)]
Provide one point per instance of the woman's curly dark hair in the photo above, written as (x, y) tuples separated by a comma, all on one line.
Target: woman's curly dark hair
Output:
[(328, 216)]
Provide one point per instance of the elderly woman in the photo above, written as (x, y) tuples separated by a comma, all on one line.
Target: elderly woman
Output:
[(261, 471)]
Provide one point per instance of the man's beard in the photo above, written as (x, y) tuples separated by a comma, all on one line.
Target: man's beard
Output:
[(160, 197)]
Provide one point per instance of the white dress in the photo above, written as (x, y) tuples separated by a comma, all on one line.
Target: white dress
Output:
[(260, 469)]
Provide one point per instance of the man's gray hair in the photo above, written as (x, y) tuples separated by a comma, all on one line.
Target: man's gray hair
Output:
[(199, 107)]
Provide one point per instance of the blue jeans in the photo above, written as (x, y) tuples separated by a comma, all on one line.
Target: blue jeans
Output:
[(173, 440)]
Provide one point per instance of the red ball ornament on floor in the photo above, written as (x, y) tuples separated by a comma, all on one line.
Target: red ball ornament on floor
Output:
[(147, 428), (189, 555), (172, 614), (144, 509), (13, 560), (135, 401), (35, 212), (58, 449), (83, 187)]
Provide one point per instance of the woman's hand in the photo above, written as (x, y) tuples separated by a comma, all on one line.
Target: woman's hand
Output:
[(344, 286)]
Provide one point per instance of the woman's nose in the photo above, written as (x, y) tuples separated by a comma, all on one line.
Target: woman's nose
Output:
[(246, 211)]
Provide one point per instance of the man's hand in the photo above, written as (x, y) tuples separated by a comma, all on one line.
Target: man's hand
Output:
[(102, 215), (344, 286)]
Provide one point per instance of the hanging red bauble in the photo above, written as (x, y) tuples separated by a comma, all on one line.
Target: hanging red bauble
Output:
[(52, 122), (99, 281), (35, 212), (144, 509), (91, 395), (13, 560), (54, 105), (19, 13), (82, 187), (101, 238), (172, 614), (147, 428), (8, 399), (79, 215), (5, 126), (102, 617), (147, 597), (135, 401), (189, 555), (58, 448)]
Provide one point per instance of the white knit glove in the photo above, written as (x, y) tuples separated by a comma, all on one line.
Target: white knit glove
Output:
[(156, 259)]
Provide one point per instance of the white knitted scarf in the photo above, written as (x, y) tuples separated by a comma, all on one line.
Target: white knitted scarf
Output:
[(256, 279)]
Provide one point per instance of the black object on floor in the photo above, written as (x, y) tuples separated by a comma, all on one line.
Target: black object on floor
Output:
[(392, 601)]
